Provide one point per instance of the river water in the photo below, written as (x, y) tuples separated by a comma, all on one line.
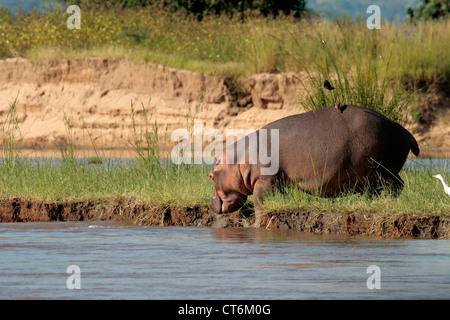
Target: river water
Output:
[(416, 164), (117, 261)]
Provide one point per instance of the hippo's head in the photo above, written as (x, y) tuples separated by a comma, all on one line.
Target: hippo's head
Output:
[(230, 193)]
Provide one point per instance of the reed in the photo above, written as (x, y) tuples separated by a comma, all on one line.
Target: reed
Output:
[(12, 139), (145, 138)]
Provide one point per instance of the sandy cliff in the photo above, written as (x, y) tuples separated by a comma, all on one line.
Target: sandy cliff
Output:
[(90, 99)]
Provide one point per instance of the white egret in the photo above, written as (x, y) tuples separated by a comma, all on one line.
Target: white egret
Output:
[(446, 187)]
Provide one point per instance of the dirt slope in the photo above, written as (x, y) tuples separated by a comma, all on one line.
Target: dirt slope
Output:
[(95, 96), (90, 99)]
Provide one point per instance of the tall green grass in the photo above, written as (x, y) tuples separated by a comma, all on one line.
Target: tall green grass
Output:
[(422, 195), (51, 180), (369, 84), (145, 139), (189, 185), (11, 136), (232, 46), (71, 178)]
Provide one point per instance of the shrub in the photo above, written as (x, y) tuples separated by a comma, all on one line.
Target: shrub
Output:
[(199, 8), (430, 10)]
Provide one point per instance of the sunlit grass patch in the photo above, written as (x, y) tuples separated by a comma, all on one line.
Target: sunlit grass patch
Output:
[(422, 195)]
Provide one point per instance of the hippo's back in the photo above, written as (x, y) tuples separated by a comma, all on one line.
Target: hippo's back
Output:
[(334, 145)]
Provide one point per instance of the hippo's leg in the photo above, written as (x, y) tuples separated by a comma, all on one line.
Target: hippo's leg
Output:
[(260, 189), (394, 184), (388, 181)]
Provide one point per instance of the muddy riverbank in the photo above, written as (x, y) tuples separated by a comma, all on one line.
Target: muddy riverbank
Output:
[(140, 213)]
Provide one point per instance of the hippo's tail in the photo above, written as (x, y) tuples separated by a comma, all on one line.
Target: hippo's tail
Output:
[(412, 143)]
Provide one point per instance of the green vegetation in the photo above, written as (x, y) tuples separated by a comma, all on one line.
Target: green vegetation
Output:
[(50, 180), (189, 185), (146, 179), (230, 45), (200, 8), (434, 9), (11, 137), (72, 179), (367, 84), (422, 195)]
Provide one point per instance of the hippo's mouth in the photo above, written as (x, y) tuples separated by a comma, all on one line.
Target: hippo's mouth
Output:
[(232, 203), (216, 204)]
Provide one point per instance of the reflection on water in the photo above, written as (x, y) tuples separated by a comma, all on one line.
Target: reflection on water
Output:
[(415, 164), (123, 262), (439, 165)]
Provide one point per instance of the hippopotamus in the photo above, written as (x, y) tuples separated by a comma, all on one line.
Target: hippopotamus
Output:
[(327, 150)]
